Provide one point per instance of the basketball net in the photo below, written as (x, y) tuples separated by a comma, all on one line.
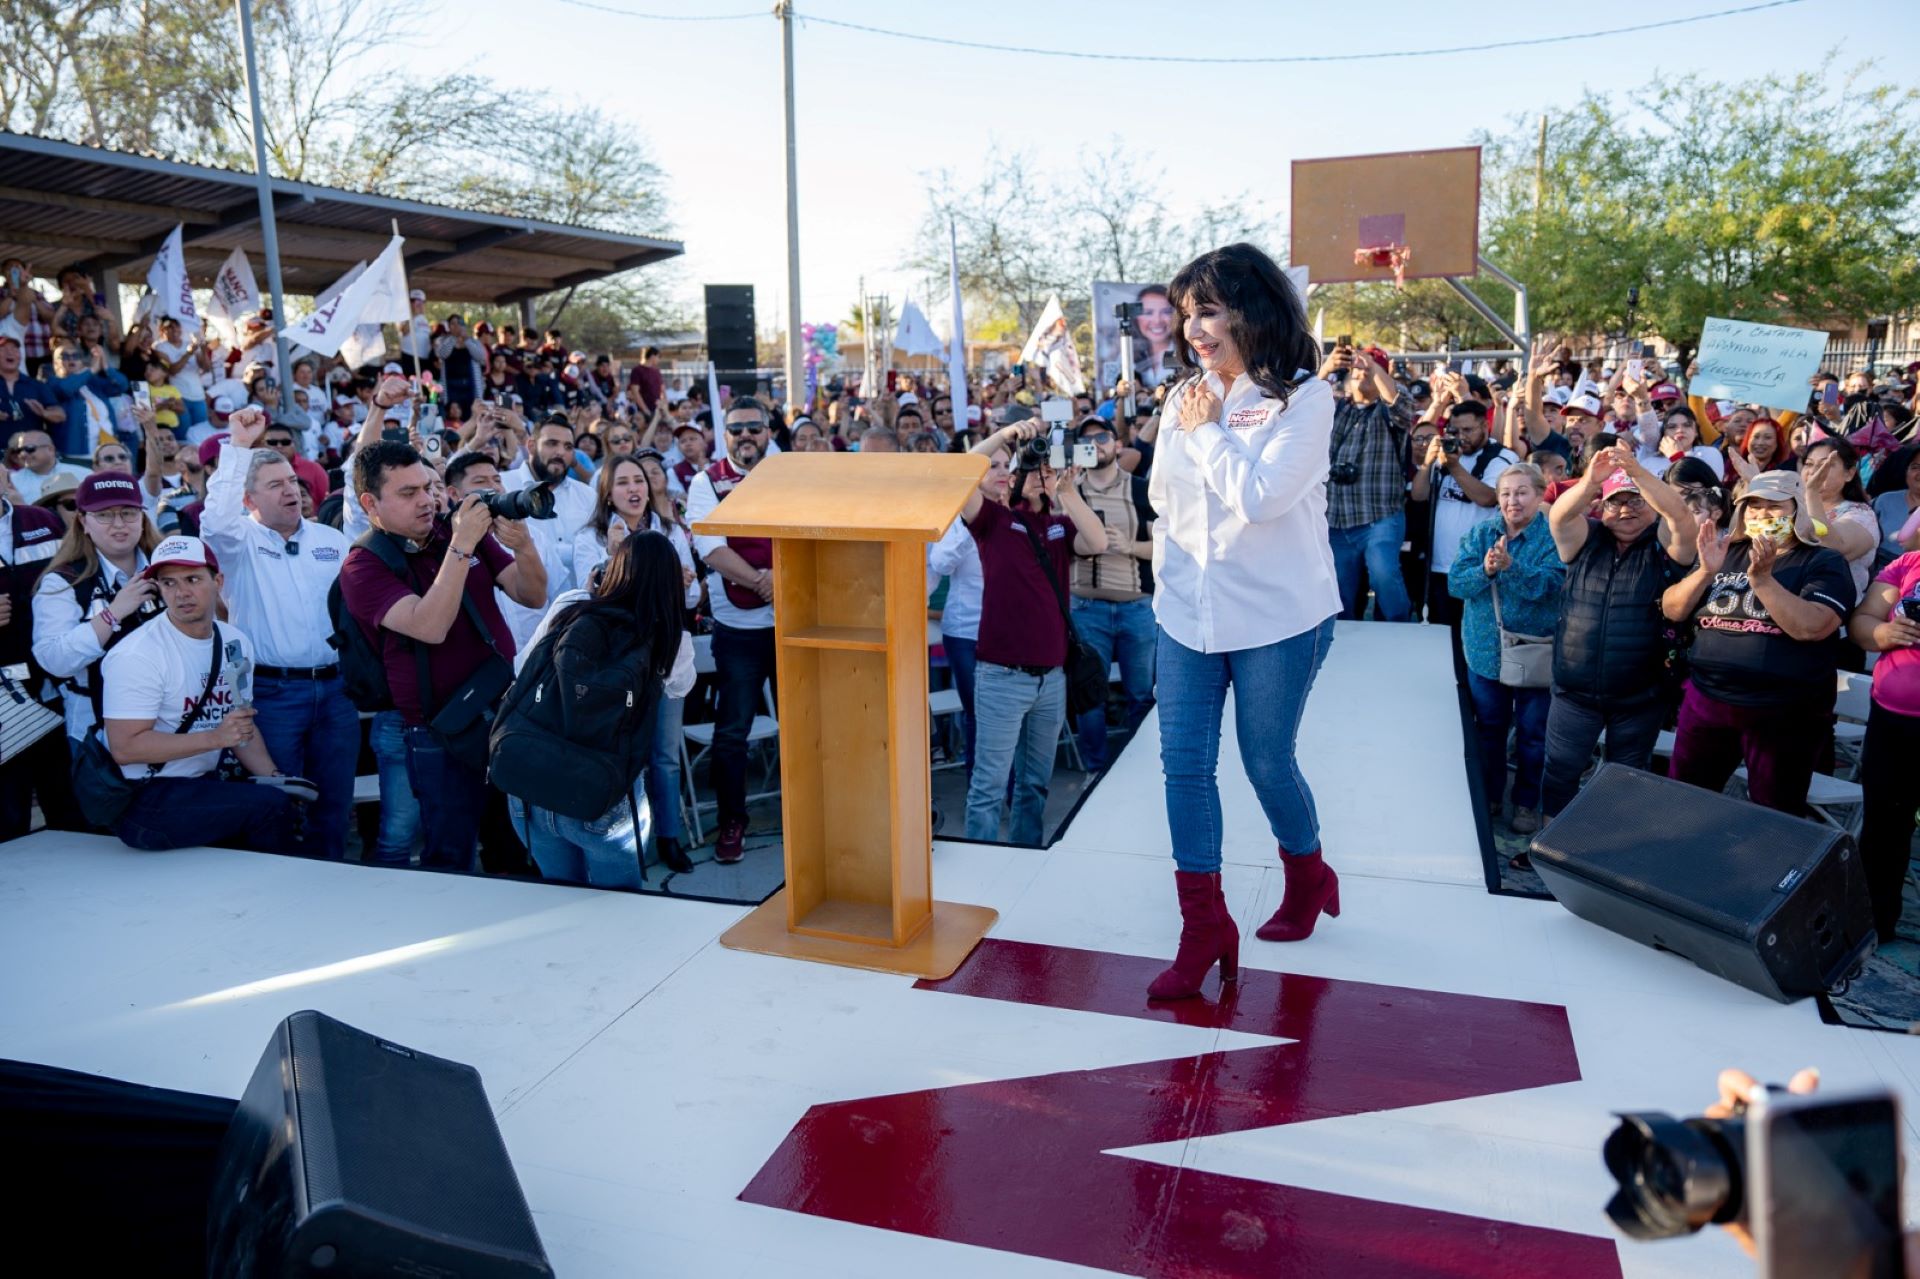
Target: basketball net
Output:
[(1393, 256)]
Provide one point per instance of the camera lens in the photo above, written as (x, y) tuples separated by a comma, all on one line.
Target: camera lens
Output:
[(534, 503), (1674, 1176)]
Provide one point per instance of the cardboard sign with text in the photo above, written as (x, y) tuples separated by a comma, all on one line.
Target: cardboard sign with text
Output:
[(1765, 364)]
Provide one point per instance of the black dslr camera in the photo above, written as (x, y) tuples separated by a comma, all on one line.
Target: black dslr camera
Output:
[(1033, 454), (535, 503), (1344, 473)]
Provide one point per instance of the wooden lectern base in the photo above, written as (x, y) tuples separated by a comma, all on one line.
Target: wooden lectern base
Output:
[(939, 949)]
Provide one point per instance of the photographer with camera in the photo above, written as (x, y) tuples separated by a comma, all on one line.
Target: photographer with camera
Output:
[(1458, 475), (1366, 484), (280, 568), (1019, 687), (1113, 591), (422, 591)]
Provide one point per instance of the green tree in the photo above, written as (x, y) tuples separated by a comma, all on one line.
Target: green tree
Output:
[(1788, 202)]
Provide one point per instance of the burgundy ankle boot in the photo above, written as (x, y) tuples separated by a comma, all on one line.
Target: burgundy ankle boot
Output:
[(1311, 888), (1207, 933)]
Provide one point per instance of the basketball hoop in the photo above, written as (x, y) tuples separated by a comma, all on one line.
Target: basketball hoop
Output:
[(1387, 256)]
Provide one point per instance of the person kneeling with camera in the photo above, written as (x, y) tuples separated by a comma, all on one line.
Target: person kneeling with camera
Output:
[(176, 694), (422, 592), (1020, 690)]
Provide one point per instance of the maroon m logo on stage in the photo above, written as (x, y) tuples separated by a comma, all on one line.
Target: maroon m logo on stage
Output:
[(1017, 1164)]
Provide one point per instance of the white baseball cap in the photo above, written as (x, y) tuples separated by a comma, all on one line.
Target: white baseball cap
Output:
[(223, 404), (180, 549)]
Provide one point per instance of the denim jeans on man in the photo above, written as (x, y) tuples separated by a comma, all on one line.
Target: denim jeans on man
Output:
[(603, 853), (312, 731), (1377, 546), (1270, 686), (453, 798), (399, 810), (1019, 718), (961, 660), (1574, 727), (185, 812), (1122, 632), (743, 662), (1497, 709)]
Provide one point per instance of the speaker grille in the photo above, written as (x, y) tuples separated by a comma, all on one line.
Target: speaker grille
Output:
[(1718, 861), (404, 1135)]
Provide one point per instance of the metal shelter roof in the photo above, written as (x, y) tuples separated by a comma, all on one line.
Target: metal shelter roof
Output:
[(63, 204)]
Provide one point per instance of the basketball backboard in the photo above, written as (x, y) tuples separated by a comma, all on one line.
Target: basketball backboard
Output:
[(1351, 213)]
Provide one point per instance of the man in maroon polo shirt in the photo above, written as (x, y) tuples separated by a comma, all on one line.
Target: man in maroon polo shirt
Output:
[(440, 605), (1019, 688)]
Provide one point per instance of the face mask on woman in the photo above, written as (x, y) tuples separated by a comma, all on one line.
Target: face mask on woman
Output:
[(1777, 529)]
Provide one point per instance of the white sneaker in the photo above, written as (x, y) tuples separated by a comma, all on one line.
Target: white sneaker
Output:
[(1525, 821)]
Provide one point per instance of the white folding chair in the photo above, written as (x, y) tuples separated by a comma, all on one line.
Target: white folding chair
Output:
[(765, 728), (944, 711)]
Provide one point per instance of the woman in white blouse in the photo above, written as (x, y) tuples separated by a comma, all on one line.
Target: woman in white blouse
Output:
[(631, 497), (1245, 592)]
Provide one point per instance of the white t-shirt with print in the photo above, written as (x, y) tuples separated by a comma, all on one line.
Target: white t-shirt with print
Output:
[(157, 673), (1454, 512)]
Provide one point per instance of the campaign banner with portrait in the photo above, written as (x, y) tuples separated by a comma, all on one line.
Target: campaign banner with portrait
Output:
[(1153, 354)]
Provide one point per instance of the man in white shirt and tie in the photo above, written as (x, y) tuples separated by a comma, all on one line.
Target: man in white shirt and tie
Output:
[(279, 569)]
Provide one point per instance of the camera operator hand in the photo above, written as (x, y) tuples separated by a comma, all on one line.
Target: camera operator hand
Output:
[(1338, 361), (1738, 1089), (235, 730), (472, 522), (514, 535), (1436, 452)]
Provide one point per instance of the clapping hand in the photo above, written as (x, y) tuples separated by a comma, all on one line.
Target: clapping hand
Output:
[(1764, 551), (1497, 557), (1711, 543)]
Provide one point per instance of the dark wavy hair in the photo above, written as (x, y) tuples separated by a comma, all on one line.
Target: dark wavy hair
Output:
[(1265, 315), (641, 583), (1852, 490)]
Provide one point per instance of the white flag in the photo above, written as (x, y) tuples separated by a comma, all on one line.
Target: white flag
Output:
[(235, 294), (1052, 346), (914, 335), (327, 327), (719, 417), (167, 277), (957, 355)]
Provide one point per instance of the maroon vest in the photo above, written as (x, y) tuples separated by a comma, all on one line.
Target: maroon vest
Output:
[(756, 551)]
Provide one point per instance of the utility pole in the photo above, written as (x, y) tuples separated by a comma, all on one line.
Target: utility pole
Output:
[(796, 366), (269, 234), (1540, 172)]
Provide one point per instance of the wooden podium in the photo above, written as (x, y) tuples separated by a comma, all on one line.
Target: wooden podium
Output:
[(850, 628)]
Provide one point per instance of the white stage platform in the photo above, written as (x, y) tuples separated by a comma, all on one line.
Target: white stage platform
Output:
[(644, 1076)]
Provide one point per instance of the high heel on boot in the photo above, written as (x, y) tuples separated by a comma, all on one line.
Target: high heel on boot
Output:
[(1207, 934), (1312, 887)]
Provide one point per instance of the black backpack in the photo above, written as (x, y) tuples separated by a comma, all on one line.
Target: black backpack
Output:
[(568, 737), (363, 667)]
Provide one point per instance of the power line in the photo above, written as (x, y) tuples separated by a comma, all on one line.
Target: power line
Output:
[(1083, 55), (1295, 58)]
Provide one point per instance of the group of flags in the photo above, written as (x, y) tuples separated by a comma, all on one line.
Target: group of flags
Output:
[(346, 318)]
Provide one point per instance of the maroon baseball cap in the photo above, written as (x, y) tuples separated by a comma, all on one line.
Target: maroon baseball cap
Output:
[(1665, 391), (104, 490), (210, 448)]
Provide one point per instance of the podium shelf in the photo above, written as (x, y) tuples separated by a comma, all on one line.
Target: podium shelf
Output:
[(860, 639)]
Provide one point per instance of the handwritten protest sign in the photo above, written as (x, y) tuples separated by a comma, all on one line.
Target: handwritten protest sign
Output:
[(1766, 364)]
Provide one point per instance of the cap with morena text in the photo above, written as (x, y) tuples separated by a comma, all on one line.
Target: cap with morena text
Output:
[(104, 490)]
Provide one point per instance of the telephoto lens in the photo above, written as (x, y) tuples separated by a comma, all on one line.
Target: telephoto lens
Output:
[(1675, 1175), (535, 503)]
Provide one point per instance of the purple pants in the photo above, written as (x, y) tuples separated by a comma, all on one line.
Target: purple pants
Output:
[(1778, 744)]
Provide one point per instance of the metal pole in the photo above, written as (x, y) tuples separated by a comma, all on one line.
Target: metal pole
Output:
[(1522, 309), (795, 389), (269, 234)]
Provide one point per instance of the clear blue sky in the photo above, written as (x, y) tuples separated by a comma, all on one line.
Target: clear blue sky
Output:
[(876, 114)]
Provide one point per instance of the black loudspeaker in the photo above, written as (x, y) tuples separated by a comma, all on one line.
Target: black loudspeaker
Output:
[(1775, 903), (731, 341), (351, 1155)]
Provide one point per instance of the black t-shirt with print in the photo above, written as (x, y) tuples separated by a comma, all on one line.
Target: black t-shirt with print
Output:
[(1742, 657)]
